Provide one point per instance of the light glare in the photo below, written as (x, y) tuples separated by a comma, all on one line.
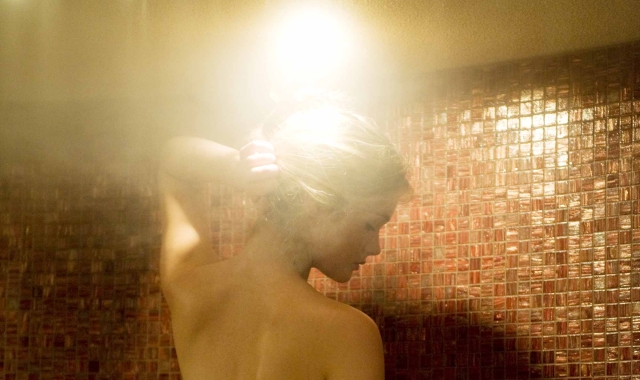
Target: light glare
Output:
[(308, 45)]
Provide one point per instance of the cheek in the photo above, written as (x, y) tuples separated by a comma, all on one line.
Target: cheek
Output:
[(344, 248), (347, 241)]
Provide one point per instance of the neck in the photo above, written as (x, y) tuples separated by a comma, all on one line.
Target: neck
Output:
[(269, 250)]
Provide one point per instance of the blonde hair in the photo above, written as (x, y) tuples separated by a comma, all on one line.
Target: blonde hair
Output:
[(332, 156)]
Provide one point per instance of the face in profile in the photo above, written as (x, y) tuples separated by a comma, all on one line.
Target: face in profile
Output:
[(342, 241)]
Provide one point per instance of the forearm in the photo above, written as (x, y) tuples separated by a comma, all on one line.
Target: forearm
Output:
[(198, 160)]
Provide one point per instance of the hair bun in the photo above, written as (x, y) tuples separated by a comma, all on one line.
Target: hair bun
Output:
[(302, 100)]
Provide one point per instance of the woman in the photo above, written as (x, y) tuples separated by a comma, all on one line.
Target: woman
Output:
[(327, 181)]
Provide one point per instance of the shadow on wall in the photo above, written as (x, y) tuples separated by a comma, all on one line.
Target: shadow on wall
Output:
[(448, 346)]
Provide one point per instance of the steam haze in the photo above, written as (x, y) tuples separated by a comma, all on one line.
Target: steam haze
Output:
[(80, 79)]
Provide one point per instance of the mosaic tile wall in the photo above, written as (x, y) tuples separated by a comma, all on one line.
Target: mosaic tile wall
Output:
[(79, 286), (518, 258), (520, 255)]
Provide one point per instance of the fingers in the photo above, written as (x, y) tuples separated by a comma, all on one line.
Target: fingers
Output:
[(260, 167), (262, 172), (257, 153), (256, 146), (258, 163), (260, 159)]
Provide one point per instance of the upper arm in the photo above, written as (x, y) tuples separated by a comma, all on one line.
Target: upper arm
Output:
[(358, 351), (193, 163), (186, 240), (187, 166)]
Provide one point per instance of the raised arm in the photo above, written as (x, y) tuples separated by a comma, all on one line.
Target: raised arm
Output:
[(187, 167)]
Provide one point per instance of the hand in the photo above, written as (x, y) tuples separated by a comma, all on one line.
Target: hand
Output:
[(257, 169)]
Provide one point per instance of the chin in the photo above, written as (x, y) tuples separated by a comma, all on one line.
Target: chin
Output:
[(338, 273), (340, 277)]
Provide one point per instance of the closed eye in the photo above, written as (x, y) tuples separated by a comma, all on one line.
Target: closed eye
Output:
[(369, 227)]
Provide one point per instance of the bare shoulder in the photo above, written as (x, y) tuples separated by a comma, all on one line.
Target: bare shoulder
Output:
[(352, 344)]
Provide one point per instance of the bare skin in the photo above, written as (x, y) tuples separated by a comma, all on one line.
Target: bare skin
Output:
[(255, 316)]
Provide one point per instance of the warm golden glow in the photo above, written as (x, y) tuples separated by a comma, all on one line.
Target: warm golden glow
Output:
[(308, 45)]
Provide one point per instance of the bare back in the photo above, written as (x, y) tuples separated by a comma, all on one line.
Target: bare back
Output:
[(238, 328), (236, 319)]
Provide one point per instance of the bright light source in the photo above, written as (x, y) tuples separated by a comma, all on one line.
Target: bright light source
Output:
[(308, 45)]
